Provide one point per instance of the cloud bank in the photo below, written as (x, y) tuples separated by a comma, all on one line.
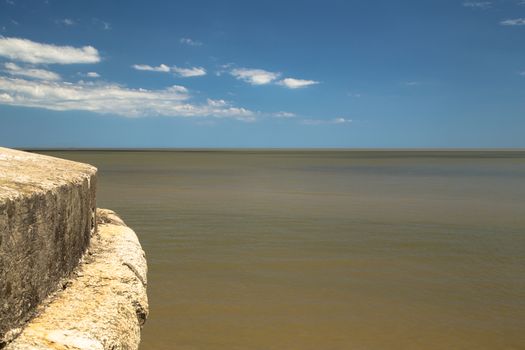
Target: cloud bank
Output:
[(34, 73), (109, 98), (32, 52)]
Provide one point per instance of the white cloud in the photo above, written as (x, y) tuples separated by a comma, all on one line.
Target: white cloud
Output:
[(478, 4), (189, 72), (513, 22), (292, 83), (254, 76), (113, 99), (412, 83), (339, 120), (33, 52), (190, 42), (522, 73), (161, 68), (284, 115), (263, 77), (42, 74)]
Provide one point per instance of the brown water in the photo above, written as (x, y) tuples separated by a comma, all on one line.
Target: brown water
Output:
[(325, 250)]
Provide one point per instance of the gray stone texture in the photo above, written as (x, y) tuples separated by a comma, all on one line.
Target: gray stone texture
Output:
[(47, 216)]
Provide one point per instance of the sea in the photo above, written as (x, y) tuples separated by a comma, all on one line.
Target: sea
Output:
[(324, 249)]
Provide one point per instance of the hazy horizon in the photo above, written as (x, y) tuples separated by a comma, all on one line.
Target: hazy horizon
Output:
[(269, 149)]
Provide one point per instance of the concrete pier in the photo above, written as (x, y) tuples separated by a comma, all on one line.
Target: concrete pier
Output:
[(66, 281)]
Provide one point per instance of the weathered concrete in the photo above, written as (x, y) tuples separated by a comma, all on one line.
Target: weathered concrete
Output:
[(47, 215), (105, 302)]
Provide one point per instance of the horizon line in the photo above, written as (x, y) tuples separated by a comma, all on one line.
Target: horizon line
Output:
[(295, 149)]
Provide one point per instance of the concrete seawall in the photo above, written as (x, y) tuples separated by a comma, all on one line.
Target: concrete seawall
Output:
[(68, 280)]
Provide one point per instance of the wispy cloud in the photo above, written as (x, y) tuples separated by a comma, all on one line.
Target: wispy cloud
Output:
[(293, 83), (513, 22), (101, 24), (254, 76), (189, 72), (174, 101), (66, 21), (45, 89), (190, 42), (217, 103), (223, 69), (88, 74), (478, 4), (339, 120), (160, 68), (412, 83), (183, 72), (34, 73), (284, 115), (32, 52)]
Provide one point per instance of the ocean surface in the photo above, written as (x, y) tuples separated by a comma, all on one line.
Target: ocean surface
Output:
[(365, 250)]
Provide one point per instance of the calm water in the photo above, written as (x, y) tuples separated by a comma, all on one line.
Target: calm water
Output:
[(325, 250)]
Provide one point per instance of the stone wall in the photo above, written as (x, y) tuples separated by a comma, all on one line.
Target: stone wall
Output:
[(47, 216), (104, 305)]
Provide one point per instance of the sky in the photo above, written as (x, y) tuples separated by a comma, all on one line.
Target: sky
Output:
[(270, 74)]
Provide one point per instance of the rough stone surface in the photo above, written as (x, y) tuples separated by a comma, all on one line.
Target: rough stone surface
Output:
[(104, 304), (47, 215)]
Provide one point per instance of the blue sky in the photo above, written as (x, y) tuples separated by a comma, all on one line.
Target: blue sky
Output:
[(367, 74)]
